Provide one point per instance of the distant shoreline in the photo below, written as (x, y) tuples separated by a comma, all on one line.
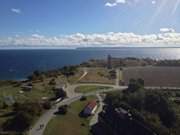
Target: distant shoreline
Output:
[(80, 48), (86, 48)]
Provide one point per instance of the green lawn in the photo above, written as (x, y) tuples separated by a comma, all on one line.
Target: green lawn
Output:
[(71, 123), (36, 94), (39, 90), (90, 88)]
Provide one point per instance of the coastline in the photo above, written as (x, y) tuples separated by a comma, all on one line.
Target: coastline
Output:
[(116, 62), (24, 62)]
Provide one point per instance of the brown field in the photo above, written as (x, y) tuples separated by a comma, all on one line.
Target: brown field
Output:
[(154, 76)]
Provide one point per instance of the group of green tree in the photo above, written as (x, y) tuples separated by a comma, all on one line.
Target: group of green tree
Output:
[(66, 71), (23, 116), (152, 107), (168, 63)]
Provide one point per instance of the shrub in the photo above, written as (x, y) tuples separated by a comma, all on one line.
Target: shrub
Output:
[(47, 105), (83, 98), (52, 82), (63, 109)]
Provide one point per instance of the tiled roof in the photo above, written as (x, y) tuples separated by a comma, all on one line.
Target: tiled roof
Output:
[(91, 104)]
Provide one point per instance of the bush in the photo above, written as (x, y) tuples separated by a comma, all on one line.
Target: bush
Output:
[(47, 105), (33, 109), (60, 93), (134, 85), (68, 71), (83, 98), (52, 82), (63, 109)]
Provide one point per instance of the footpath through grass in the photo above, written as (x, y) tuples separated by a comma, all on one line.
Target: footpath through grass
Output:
[(89, 88), (71, 123)]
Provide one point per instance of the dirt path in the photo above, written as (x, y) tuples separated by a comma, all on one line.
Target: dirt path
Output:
[(84, 74)]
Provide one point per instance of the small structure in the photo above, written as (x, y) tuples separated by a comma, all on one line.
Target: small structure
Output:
[(90, 108)]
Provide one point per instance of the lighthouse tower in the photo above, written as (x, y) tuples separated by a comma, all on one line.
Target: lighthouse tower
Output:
[(109, 64)]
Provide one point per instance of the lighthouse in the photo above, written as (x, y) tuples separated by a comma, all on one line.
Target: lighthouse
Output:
[(109, 64)]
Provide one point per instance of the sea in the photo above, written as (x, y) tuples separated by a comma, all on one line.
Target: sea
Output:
[(18, 64)]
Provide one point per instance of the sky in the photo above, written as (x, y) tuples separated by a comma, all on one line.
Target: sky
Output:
[(86, 23)]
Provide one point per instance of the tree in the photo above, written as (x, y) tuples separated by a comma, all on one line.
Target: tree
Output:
[(47, 105), (24, 115), (154, 121), (157, 103), (19, 123), (33, 109), (83, 98), (69, 71), (168, 117), (136, 99), (52, 82), (135, 85), (152, 102), (113, 99), (60, 93), (140, 82)]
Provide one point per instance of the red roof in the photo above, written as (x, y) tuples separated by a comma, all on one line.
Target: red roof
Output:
[(91, 104)]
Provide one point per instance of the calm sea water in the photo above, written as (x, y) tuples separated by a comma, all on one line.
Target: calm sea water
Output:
[(18, 64)]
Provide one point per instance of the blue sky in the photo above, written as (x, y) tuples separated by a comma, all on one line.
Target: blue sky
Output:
[(52, 18)]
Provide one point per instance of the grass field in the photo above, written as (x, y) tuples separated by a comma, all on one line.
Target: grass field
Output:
[(35, 95), (154, 76), (38, 91), (74, 78), (98, 75), (90, 88), (71, 123)]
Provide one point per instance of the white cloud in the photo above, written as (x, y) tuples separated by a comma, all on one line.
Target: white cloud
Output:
[(110, 4), (167, 30), (15, 10), (121, 1), (37, 36), (115, 3), (166, 37)]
